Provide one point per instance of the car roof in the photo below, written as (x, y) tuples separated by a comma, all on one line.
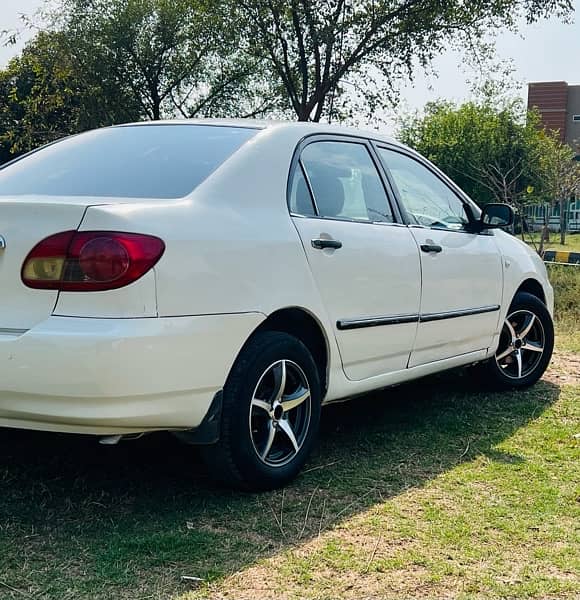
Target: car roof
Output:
[(299, 127)]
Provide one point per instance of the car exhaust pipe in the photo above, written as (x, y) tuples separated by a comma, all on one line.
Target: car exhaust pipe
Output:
[(110, 440), (113, 440)]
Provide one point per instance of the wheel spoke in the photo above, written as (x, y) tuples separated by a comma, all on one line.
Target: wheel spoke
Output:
[(269, 441), (533, 347), (505, 353), (527, 327), (293, 400), (279, 371), (287, 429), (511, 329), (262, 404), (519, 361)]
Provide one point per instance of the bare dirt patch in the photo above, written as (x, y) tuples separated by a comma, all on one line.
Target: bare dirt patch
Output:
[(564, 369)]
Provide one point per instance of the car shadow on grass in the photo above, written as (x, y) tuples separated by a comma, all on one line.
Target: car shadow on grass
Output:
[(81, 520)]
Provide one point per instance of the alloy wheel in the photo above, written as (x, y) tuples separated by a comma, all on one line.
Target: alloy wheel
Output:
[(521, 344), (280, 413)]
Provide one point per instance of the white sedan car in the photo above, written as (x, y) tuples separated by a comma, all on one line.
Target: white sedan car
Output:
[(224, 279)]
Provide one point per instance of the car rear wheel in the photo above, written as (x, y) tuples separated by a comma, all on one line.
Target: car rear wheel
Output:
[(270, 414), (525, 346)]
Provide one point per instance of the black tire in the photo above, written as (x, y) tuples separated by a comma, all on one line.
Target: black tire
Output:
[(236, 459), (507, 371)]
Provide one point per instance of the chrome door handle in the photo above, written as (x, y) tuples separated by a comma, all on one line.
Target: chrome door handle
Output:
[(431, 248), (321, 244)]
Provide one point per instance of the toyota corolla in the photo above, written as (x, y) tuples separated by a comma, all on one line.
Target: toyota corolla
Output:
[(225, 279)]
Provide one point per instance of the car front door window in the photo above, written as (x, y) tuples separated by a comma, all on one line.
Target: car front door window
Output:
[(425, 198)]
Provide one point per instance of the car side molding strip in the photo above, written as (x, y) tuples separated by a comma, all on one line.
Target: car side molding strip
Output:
[(346, 324), (453, 314), (375, 322), (11, 331)]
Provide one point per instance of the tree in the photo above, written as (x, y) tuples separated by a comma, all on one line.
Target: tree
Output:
[(561, 174), (100, 62), (494, 154), (312, 46), (175, 57), (45, 95)]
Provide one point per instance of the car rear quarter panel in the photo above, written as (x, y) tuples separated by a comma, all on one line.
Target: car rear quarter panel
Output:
[(138, 300), (231, 246)]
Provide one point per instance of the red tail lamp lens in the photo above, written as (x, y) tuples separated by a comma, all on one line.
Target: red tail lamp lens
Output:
[(104, 259), (90, 260)]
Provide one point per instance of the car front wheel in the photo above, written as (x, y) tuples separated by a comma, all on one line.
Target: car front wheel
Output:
[(526, 344), (270, 414)]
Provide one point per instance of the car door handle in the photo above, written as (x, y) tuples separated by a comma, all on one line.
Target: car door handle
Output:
[(321, 244), (431, 248)]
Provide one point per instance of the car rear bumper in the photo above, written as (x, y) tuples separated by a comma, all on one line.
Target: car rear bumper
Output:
[(114, 376)]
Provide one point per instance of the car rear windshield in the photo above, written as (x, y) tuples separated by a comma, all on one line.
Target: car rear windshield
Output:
[(136, 161)]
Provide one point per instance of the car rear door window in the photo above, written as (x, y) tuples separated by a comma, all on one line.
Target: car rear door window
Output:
[(345, 182), (300, 198)]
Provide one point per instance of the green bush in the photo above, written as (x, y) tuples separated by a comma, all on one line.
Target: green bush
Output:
[(566, 283)]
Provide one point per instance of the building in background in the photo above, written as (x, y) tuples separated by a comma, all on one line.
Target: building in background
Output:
[(559, 106)]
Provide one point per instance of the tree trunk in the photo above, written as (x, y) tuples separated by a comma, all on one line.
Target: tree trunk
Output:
[(303, 113), (562, 221), (157, 110), (155, 102), (545, 231), (522, 223)]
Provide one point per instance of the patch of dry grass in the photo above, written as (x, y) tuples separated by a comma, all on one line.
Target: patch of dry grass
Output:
[(572, 241)]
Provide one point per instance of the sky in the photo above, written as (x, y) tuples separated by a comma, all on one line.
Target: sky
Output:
[(545, 51)]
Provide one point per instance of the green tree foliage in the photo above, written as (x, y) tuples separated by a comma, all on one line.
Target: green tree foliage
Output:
[(101, 62), (320, 50), (561, 177), (494, 154), (174, 57), (44, 95), (106, 61)]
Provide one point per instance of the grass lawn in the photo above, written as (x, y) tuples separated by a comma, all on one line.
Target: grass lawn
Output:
[(572, 241), (430, 490)]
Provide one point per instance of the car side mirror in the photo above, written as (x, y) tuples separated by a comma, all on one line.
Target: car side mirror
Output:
[(494, 216)]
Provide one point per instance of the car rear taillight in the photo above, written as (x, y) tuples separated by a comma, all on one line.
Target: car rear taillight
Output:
[(90, 261)]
